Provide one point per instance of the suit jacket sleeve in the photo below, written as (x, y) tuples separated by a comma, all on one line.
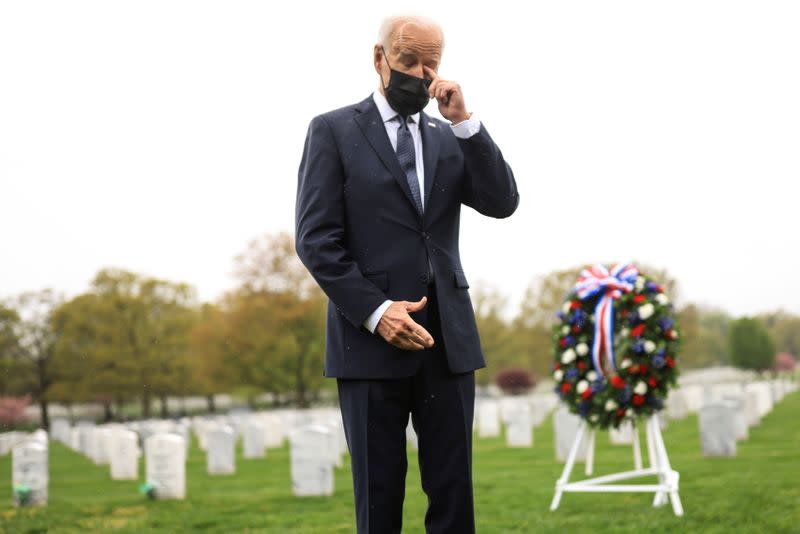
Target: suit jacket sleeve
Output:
[(320, 227), (490, 188)]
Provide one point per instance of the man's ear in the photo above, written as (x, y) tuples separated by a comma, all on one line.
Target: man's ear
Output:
[(377, 57)]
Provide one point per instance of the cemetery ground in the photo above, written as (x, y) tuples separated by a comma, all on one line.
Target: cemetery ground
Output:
[(756, 491)]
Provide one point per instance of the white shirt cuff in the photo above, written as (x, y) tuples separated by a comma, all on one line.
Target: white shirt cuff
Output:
[(468, 128), (372, 321)]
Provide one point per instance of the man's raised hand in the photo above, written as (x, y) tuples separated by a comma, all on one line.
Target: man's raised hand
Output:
[(449, 96)]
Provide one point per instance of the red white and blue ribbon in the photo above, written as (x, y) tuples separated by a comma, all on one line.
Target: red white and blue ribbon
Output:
[(611, 284)]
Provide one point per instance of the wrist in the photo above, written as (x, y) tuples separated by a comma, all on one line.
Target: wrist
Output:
[(460, 118)]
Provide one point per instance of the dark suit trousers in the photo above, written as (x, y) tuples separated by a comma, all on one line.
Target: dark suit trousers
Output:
[(375, 414)]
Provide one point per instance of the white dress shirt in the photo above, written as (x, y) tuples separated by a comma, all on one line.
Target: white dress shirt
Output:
[(463, 130)]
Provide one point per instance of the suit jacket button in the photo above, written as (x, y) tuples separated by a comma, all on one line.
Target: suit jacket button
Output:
[(423, 278), (426, 235)]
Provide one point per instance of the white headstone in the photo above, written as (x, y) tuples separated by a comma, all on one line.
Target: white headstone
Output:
[(519, 425), (124, 455), (411, 435), (29, 469), (736, 403), (565, 428), (311, 462), (752, 409), (717, 430), (677, 407), (221, 457), (254, 446), (61, 430), (622, 435), (488, 419), (165, 461), (274, 433)]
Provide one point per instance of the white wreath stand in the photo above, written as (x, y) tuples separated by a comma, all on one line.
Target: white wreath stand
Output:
[(666, 489)]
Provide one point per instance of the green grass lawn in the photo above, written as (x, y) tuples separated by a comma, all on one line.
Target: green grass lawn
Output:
[(758, 491)]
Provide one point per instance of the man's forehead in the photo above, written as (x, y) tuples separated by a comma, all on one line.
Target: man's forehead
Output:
[(413, 39)]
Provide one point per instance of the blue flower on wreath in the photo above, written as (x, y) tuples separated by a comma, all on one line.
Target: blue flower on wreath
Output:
[(625, 395), (655, 402), (583, 408), (651, 287), (659, 359), (571, 373), (638, 347), (598, 385), (666, 323)]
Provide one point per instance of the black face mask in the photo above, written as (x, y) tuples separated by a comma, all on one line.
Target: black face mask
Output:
[(405, 93)]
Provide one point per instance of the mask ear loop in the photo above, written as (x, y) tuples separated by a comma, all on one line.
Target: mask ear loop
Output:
[(386, 59)]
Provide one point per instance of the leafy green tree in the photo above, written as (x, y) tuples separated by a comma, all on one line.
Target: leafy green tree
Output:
[(751, 346), (33, 340)]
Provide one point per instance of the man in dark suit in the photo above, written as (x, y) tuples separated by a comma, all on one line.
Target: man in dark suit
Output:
[(379, 198)]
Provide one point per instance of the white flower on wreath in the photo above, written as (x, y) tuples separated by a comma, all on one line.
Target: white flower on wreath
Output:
[(674, 334), (582, 349), (624, 364), (649, 346), (646, 310), (624, 332), (565, 329), (662, 299), (566, 307), (568, 356), (640, 389), (639, 284), (594, 418), (591, 376), (611, 405), (629, 412), (558, 374), (582, 386)]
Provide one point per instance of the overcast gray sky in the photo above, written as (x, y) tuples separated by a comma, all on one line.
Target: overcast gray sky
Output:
[(161, 136)]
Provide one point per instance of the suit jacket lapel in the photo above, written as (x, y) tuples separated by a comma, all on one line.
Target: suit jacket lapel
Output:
[(371, 124), (430, 151)]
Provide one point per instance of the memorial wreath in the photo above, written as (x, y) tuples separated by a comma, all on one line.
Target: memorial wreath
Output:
[(615, 346)]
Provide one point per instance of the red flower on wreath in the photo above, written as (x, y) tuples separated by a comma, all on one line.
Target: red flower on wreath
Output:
[(620, 412), (617, 382), (638, 299), (576, 329), (633, 369), (581, 366), (565, 387), (574, 305), (670, 362), (562, 342), (638, 400), (586, 394), (638, 330), (652, 382)]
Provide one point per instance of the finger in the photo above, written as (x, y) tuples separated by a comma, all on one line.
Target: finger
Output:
[(430, 73), (423, 335), (433, 86), (417, 334), (416, 306)]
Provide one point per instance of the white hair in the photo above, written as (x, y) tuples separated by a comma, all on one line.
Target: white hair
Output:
[(391, 25)]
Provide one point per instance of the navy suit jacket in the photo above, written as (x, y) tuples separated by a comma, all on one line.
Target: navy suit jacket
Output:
[(361, 237)]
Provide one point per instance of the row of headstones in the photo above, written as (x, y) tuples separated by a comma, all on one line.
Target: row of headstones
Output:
[(730, 410), (316, 437), (519, 414)]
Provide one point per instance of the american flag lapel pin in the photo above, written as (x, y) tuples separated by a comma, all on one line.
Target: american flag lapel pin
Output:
[(432, 124)]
